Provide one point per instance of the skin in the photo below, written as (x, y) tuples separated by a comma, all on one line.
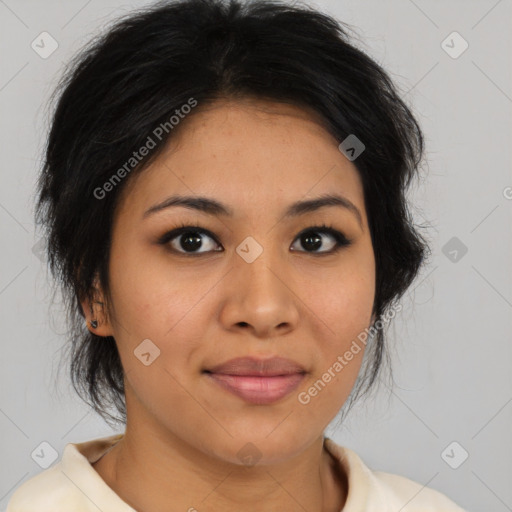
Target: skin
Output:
[(183, 432)]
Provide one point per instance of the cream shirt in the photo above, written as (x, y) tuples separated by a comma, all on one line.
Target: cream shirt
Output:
[(73, 485)]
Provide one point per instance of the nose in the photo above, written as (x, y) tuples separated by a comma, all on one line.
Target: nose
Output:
[(260, 298)]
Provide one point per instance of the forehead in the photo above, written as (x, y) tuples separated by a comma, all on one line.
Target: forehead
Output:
[(249, 153)]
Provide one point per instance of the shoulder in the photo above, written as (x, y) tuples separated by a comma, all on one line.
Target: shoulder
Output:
[(411, 495), (45, 491), (70, 484), (378, 491)]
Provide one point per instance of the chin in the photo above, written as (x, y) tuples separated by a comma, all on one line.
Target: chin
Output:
[(260, 447)]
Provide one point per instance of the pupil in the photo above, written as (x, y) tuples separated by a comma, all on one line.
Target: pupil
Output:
[(195, 244), (313, 241)]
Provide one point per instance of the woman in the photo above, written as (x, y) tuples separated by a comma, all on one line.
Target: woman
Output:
[(224, 193)]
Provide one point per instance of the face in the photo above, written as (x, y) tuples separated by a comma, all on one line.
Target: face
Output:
[(249, 283)]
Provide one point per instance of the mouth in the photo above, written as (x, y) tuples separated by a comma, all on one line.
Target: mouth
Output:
[(258, 381)]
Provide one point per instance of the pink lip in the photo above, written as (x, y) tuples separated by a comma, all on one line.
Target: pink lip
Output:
[(258, 381)]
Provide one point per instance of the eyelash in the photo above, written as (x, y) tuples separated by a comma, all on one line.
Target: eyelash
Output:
[(340, 239)]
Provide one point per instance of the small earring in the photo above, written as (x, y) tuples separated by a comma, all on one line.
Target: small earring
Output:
[(94, 324)]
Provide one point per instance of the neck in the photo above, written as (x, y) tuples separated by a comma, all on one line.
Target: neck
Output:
[(151, 473)]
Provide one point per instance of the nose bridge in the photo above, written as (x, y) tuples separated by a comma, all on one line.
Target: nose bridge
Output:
[(262, 298), (259, 264)]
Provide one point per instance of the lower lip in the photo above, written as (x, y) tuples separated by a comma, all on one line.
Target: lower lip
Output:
[(258, 390)]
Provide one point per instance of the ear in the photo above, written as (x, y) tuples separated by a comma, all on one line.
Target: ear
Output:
[(95, 312)]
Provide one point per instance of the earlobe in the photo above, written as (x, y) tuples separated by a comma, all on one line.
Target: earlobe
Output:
[(94, 311), (96, 319)]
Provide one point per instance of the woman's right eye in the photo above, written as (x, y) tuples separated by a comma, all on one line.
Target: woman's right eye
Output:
[(187, 239)]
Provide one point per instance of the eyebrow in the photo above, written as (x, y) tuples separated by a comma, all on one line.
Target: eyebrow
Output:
[(214, 207)]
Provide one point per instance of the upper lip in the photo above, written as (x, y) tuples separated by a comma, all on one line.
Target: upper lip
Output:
[(252, 366)]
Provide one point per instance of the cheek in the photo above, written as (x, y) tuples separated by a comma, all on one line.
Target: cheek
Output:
[(348, 308), (149, 301), (340, 349), (148, 292), (343, 302), (346, 317), (156, 329)]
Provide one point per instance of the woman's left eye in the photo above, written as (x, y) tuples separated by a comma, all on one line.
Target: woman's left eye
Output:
[(312, 237), (187, 239)]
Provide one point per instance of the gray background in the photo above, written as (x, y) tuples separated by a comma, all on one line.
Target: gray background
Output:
[(451, 345)]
